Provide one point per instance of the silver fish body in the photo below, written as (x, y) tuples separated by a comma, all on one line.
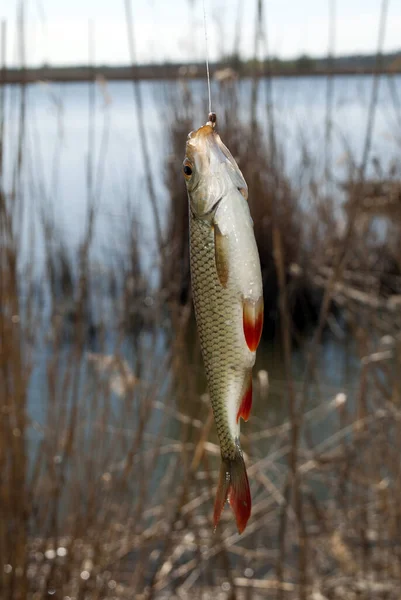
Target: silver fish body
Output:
[(227, 292)]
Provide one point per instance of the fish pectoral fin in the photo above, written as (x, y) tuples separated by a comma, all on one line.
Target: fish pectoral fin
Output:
[(245, 406), (252, 322), (234, 487), (221, 254)]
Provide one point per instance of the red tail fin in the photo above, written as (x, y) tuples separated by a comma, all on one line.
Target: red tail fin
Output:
[(234, 487)]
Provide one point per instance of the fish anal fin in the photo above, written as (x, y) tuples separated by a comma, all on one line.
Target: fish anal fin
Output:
[(253, 322), (246, 399), (234, 487), (221, 253)]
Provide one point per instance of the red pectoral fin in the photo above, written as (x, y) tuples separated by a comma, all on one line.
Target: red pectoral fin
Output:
[(246, 400), (253, 322)]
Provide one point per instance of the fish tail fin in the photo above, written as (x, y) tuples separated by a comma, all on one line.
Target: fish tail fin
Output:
[(234, 487)]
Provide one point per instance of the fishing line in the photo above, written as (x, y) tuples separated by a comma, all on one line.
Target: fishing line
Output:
[(207, 58)]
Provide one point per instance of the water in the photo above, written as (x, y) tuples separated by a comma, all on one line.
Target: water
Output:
[(58, 144)]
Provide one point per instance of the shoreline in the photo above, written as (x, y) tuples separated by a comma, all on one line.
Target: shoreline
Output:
[(168, 73)]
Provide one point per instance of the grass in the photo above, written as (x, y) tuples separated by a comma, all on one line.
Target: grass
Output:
[(107, 487)]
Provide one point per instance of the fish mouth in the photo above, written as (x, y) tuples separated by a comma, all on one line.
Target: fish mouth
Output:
[(205, 130), (206, 150), (199, 144), (210, 157), (202, 132)]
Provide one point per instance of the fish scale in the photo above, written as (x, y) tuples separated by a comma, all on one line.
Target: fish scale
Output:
[(220, 342)]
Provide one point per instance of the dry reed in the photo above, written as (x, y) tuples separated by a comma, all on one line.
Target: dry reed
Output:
[(108, 492)]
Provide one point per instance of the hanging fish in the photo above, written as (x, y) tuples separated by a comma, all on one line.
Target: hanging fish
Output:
[(228, 299)]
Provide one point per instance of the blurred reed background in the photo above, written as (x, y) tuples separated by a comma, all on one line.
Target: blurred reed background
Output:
[(108, 453)]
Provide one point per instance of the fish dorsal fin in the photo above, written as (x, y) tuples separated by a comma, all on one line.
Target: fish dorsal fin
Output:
[(244, 192)]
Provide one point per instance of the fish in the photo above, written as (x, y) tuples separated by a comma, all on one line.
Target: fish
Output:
[(228, 300)]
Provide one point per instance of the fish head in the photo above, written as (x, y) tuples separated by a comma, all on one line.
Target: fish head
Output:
[(210, 170)]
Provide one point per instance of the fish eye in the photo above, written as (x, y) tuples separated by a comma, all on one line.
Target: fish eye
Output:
[(187, 169)]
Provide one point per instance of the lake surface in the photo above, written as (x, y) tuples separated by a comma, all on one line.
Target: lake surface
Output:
[(66, 125)]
